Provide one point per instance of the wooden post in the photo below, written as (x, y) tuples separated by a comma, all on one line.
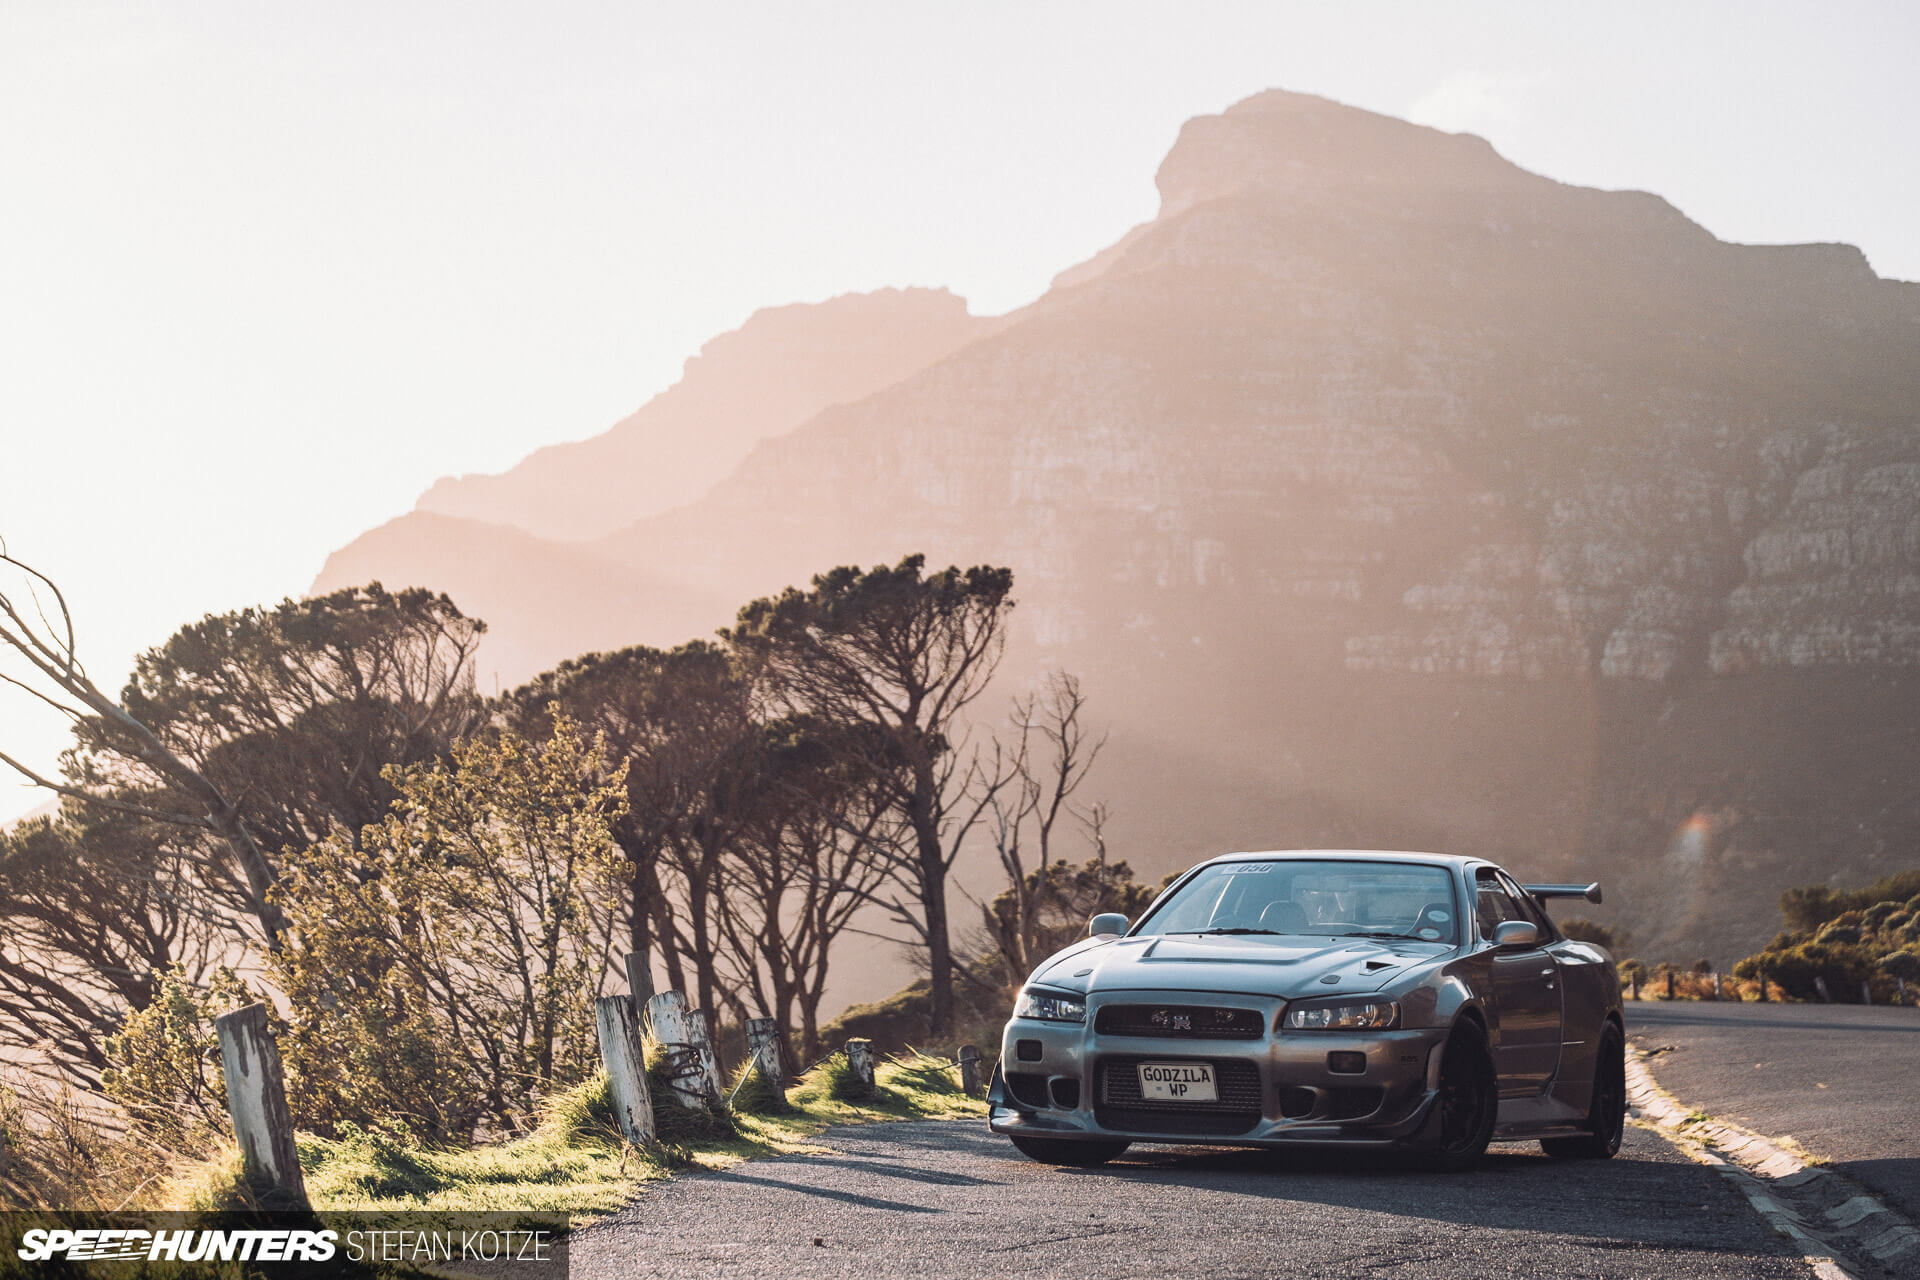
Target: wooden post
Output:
[(257, 1101), (639, 986), (860, 1064), (667, 1014), (626, 1062), (701, 1037), (1761, 972), (1820, 987), (970, 1070), (763, 1051), (1669, 984), (1636, 986)]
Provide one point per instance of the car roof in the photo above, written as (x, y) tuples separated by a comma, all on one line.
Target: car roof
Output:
[(1455, 860)]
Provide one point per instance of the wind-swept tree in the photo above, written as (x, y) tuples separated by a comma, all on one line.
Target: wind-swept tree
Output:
[(681, 733), (41, 659), (93, 905), (297, 710), (904, 653), (798, 876)]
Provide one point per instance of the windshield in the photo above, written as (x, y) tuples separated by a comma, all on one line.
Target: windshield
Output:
[(1314, 898)]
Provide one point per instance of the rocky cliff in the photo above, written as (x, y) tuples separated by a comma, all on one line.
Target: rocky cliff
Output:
[(1387, 493)]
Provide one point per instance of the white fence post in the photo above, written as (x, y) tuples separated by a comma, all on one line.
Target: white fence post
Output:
[(257, 1101), (686, 1073), (702, 1041), (763, 1050), (626, 1062), (1866, 992), (860, 1064), (1820, 986)]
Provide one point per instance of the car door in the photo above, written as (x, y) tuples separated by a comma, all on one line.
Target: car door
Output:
[(1526, 992)]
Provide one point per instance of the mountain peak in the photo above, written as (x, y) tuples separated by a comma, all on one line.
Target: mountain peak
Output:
[(1286, 140)]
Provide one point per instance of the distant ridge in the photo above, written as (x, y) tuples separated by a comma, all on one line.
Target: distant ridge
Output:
[(781, 367)]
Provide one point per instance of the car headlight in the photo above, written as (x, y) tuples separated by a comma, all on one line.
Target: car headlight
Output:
[(1048, 1006), (1343, 1015)]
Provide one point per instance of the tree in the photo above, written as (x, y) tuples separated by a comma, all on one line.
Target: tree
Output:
[(1046, 762), (682, 735), (297, 710), (37, 636), (446, 965), (795, 882), (94, 904), (905, 653)]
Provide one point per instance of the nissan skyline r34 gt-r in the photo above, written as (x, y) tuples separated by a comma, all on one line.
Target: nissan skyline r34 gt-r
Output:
[(1409, 1001)]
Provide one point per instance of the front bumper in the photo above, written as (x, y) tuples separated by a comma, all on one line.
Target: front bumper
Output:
[(1068, 1080)]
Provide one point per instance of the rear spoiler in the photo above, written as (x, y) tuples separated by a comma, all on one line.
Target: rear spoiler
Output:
[(1591, 892)]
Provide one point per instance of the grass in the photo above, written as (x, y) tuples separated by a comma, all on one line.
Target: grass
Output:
[(576, 1162)]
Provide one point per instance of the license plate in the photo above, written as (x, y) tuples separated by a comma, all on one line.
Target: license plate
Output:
[(1178, 1082)]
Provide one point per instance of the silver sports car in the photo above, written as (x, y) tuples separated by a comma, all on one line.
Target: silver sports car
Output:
[(1408, 1001)]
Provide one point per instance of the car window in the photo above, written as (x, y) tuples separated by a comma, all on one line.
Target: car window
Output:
[(1493, 906), (1312, 897), (1529, 909)]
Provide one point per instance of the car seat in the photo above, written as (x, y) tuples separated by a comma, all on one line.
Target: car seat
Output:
[(1284, 916)]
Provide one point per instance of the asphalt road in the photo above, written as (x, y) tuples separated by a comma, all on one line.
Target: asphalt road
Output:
[(949, 1199), (1843, 1080)]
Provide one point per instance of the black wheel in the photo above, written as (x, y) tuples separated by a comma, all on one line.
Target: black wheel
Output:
[(1607, 1112), (1469, 1100), (1067, 1150)]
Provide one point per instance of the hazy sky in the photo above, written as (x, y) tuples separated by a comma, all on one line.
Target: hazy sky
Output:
[(266, 270)]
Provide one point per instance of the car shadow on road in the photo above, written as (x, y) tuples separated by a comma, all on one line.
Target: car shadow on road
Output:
[(1628, 1201)]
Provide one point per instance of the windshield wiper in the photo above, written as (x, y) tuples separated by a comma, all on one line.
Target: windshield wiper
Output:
[(1384, 933), (1235, 929)]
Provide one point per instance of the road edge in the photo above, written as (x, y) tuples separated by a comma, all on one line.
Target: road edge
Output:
[(1836, 1223)]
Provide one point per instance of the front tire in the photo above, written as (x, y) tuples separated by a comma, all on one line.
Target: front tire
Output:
[(1469, 1103), (1066, 1151), (1606, 1110)]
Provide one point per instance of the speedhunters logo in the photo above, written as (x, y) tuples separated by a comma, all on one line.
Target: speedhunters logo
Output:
[(110, 1244)]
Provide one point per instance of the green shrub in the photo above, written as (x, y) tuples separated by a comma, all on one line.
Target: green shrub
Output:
[(750, 1093), (164, 1063), (677, 1125)]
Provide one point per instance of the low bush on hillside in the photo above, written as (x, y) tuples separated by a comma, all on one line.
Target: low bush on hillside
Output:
[(1873, 937), (899, 1024)]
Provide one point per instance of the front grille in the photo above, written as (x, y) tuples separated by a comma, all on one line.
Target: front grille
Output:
[(1121, 1105), (1180, 1021)]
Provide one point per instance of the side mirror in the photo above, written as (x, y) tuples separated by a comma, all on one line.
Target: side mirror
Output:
[(1108, 924), (1516, 935)]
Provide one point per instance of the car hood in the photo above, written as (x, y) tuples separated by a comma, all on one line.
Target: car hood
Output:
[(1289, 967)]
